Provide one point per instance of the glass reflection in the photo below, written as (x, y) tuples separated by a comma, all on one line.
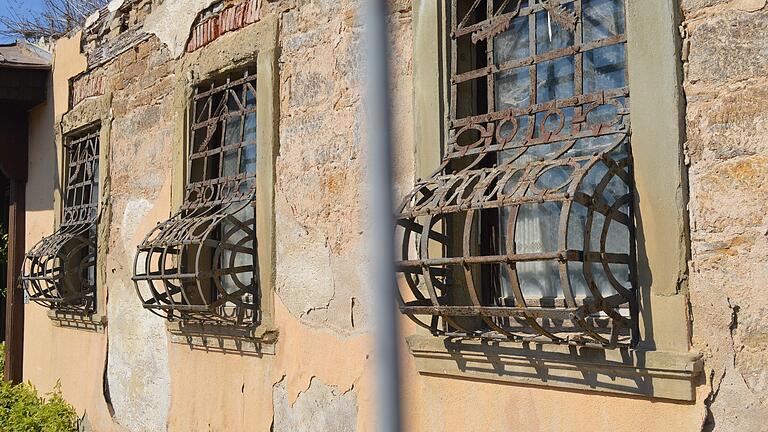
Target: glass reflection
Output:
[(602, 19), (605, 68)]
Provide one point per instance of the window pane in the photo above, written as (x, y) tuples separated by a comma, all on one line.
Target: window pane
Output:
[(230, 163), (513, 44), (237, 237), (513, 89), (554, 79), (602, 19), (248, 159), (550, 35), (605, 68)]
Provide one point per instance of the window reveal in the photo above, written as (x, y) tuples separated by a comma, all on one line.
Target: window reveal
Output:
[(526, 229), (60, 271), (201, 264)]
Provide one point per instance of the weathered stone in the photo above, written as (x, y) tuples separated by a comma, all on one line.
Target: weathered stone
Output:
[(730, 46), (320, 408), (728, 155), (321, 269)]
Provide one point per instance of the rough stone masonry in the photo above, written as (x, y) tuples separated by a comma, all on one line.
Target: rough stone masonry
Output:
[(131, 376)]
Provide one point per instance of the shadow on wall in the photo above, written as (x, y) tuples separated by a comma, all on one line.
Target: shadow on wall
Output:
[(223, 338), (656, 374)]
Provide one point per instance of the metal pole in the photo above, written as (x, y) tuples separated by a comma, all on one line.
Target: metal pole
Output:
[(381, 217)]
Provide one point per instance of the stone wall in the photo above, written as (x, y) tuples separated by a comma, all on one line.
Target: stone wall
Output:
[(132, 377), (726, 56)]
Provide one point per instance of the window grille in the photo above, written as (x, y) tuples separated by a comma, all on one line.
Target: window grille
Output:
[(201, 265), (526, 230), (59, 272)]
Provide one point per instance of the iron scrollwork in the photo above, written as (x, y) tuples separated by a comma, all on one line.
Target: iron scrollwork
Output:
[(526, 230), (200, 265), (59, 272)]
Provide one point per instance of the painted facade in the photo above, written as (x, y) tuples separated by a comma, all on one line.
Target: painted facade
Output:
[(130, 70)]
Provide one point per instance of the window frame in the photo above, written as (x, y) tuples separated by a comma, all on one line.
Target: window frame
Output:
[(89, 113), (254, 45), (662, 355)]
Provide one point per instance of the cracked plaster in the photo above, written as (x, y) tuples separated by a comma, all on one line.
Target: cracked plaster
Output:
[(319, 408)]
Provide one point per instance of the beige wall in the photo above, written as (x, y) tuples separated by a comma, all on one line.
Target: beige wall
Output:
[(320, 376)]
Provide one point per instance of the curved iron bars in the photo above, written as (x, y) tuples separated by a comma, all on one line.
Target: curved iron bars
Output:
[(200, 265), (526, 229), (59, 272)]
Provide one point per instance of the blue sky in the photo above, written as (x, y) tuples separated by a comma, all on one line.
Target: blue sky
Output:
[(26, 6)]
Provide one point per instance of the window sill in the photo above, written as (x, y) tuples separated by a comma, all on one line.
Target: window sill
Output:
[(223, 338), (655, 374), (78, 321)]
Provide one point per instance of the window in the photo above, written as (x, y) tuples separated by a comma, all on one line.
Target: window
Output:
[(526, 230), (201, 265), (60, 271), (209, 268)]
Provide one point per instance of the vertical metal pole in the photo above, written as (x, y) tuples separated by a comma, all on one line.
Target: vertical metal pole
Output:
[(381, 217)]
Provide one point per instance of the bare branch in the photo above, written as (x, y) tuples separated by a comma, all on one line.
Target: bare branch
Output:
[(57, 18)]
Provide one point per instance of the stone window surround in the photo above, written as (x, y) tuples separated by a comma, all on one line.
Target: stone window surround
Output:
[(88, 113), (661, 365), (255, 44)]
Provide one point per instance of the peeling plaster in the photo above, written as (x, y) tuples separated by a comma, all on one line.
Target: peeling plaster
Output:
[(135, 211), (171, 22), (114, 5), (321, 269), (319, 408), (138, 375)]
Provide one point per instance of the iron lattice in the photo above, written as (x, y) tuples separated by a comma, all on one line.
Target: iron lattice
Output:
[(59, 272), (200, 265), (526, 229)]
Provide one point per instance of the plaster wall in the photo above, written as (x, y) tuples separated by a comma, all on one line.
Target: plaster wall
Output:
[(132, 377)]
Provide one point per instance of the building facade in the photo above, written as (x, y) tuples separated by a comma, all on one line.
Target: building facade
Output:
[(581, 242)]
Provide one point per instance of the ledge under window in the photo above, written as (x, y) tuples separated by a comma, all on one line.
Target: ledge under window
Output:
[(224, 338), (656, 374), (78, 320)]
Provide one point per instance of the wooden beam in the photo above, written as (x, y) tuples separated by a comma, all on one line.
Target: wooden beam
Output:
[(14, 318)]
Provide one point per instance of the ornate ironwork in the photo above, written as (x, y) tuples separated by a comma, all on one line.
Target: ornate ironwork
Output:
[(200, 265), (59, 272), (526, 229)]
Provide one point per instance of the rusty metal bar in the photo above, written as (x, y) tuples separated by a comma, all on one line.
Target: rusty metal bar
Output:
[(479, 311), (200, 265), (59, 272), (544, 165)]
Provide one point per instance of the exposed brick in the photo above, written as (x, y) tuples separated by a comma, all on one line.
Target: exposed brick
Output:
[(87, 86), (229, 19)]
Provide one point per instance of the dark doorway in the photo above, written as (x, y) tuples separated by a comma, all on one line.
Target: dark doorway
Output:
[(5, 191), (24, 78)]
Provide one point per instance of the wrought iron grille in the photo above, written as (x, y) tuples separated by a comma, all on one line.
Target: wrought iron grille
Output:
[(59, 272), (200, 265), (526, 229)]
